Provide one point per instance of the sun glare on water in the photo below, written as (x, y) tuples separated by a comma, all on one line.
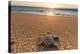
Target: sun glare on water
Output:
[(52, 6), (50, 13)]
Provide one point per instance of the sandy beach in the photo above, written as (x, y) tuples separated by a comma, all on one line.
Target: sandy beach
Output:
[(25, 28)]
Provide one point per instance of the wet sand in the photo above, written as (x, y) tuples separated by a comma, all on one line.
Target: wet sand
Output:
[(25, 28)]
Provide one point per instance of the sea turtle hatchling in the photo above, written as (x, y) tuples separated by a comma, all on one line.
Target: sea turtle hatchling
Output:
[(49, 40)]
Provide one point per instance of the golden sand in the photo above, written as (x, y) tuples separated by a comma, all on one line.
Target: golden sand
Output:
[(25, 28)]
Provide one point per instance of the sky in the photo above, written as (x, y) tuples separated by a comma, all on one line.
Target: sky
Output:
[(43, 4)]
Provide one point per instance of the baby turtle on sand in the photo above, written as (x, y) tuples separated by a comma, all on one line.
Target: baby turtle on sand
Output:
[(49, 40)]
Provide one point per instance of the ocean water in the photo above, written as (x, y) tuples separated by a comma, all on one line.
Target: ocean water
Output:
[(44, 11)]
